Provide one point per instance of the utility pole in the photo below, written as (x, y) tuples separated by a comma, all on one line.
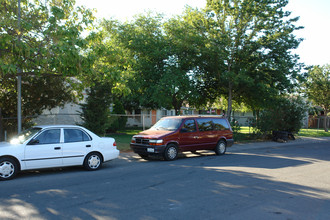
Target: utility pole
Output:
[(19, 77)]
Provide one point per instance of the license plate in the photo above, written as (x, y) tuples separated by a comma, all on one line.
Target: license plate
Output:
[(151, 150)]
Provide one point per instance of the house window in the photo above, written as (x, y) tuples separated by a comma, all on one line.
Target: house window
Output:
[(164, 112)]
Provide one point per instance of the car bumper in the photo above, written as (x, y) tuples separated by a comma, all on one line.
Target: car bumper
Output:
[(113, 154), (147, 149)]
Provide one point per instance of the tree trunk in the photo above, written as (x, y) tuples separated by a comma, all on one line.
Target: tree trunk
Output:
[(325, 121), (177, 111), (229, 109)]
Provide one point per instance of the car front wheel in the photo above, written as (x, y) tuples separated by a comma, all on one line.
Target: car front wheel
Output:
[(93, 161), (221, 148), (171, 152), (8, 168)]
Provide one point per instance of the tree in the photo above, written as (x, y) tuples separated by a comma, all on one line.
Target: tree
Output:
[(44, 47), (38, 93), (118, 118), (157, 55), (47, 41), (96, 110), (284, 114), (317, 88), (251, 42)]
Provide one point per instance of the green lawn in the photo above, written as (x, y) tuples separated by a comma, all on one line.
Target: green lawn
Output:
[(303, 132), (313, 133), (123, 138), (246, 130)]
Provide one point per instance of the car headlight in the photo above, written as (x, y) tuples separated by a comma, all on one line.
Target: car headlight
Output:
[(155, 142), (133, 140)]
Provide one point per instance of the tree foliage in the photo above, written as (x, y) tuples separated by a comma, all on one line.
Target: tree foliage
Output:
[(317, 88), (46, 40), (118, 119), (38, 93), (96, 110), (44, 44), (284, 114), (237, 49), (251, 43), (158, 59)]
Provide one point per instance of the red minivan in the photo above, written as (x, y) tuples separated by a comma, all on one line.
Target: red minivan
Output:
[(175, 134)]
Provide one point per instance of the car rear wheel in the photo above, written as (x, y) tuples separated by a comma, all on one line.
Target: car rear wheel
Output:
[(8, 168), (221, 148), (171, 152), (93, 161)]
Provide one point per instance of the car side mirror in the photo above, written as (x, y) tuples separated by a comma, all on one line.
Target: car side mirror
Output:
[(33, 141)]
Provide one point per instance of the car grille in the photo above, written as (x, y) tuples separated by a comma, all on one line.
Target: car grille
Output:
[(142, 141)]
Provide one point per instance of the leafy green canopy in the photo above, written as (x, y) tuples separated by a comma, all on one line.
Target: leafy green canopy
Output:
[(158, 57), (284, 114), (95, 110), (238, 48), (46, 45), (249, 47), (317, 88), (47, 40)]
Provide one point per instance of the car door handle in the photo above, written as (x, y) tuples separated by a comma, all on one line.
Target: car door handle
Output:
[(88, 145), (57, 148), (196, 137)]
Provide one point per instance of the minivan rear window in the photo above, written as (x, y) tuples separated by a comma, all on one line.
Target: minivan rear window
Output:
[(220, 124), (212, 124)]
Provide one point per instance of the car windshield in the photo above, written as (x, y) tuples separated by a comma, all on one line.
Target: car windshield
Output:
[(24, 135), (167, 124)]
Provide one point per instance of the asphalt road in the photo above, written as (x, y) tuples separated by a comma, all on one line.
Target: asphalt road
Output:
[(255, 181)]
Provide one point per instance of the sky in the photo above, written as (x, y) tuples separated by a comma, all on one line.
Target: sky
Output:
[(314, 17)]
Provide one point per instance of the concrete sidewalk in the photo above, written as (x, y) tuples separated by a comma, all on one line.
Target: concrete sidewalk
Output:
[(271, 144)]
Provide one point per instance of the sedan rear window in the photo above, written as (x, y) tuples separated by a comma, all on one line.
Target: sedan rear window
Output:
[(75, 135)]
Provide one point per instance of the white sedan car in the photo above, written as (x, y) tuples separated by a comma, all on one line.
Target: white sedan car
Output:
[(55, 146)]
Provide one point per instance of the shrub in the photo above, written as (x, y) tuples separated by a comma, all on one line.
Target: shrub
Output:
[(285, 114), (235, 126), (117, 121), (95, 111)]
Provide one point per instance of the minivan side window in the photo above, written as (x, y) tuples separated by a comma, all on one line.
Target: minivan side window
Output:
[(204, 124), (220, 124), (189, 126)]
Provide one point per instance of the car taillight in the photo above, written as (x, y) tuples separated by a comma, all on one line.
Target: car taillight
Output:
[(114, 144)]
